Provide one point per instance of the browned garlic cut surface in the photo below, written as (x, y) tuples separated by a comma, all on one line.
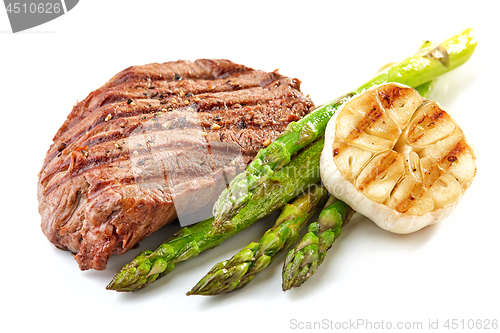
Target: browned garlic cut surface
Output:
[(396, 158)]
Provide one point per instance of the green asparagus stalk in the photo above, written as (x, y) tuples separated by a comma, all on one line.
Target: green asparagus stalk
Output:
[(425, 89), (302, 261), (237, 272), (273, 194), (416, 70)]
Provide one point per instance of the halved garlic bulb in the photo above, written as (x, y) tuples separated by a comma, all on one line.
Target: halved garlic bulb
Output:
[(396, 158)]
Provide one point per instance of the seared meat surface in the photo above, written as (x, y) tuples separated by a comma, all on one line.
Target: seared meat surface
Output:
[(156, 142)]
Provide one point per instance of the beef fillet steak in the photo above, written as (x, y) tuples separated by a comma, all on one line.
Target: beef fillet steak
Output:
[(155, 142)]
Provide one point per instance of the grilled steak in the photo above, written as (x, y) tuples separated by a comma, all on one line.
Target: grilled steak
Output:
[(155, 142)]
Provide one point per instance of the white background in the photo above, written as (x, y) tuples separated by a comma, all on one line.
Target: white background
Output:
[(448, 271)]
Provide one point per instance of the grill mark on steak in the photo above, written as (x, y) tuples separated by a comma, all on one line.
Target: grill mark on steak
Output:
[(77, 164), (199, 69), (110, 177), (113, 134), (207, 103), (161, 89)]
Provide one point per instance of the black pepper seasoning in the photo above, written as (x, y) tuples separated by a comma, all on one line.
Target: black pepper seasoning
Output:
[(241, 124)]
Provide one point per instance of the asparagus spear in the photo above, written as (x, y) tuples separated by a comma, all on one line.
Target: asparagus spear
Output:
[(425, 89), (273, 194), (423, 67), (237, 272), (302, 261)]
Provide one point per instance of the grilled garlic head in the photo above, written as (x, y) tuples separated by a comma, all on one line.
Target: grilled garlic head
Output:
[(396, 158)]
